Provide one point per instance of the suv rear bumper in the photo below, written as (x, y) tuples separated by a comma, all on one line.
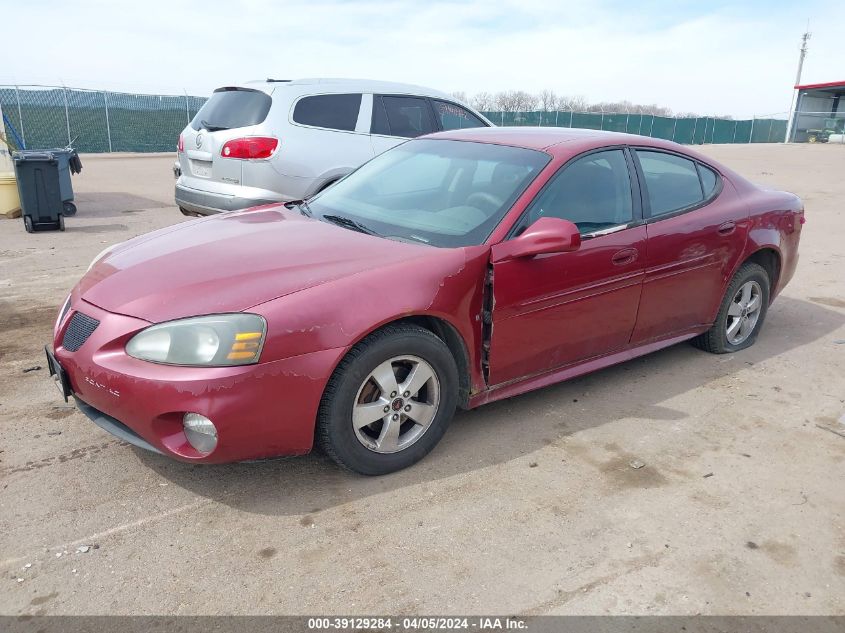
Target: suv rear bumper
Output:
[(209, 202)]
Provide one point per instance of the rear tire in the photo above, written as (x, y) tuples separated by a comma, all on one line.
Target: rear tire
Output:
[(61, 223), (27, 224), (69, 209), (389, 401), (741, 314)]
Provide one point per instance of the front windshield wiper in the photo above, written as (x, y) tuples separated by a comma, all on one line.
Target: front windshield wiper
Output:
[(302, 206), (212, 128), (349, 223)]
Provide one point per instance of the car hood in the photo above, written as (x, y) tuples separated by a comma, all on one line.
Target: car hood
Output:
[(232, 262)]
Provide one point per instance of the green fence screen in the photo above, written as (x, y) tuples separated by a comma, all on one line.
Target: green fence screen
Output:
[(95, 121), (39, 117), (685, 130)]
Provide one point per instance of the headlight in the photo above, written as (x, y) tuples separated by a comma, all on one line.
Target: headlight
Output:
[(216, 340), (100, 256)]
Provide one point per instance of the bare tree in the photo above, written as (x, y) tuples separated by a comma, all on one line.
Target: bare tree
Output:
[(525, 101), (461, 96), (505, 101), (515, 101), (574, 103), (547, 100), (483, 102)]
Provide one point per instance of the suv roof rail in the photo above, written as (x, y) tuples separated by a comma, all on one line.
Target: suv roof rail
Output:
[(270, 80)]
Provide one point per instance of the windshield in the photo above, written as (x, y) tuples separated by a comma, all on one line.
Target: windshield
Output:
[(438, 192), (232, 107)]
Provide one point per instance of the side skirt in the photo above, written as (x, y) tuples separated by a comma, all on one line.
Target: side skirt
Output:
[(507, 390)]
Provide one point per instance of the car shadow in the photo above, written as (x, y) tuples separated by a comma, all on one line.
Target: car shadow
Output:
[(504, 430)]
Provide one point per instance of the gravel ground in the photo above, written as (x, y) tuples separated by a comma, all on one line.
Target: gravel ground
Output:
[(528, 506)]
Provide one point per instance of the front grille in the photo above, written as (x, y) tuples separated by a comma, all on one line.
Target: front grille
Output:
[(81, 326)]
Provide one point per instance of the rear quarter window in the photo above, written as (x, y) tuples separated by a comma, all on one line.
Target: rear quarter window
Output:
[(333, 112), (232, 108), (709, 180)]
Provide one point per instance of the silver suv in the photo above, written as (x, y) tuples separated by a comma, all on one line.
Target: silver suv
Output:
[(277, 141)]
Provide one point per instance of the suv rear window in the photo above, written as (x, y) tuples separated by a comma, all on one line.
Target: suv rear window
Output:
[(335, 112), (232, 107), (454, 117)]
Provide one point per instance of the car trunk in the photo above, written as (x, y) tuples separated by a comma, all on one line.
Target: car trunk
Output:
[(229, 113)]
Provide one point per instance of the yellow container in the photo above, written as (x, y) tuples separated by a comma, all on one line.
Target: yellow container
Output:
[(9, 200)]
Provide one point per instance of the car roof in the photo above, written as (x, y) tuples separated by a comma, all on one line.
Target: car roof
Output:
[(327, 84), (546, 138)]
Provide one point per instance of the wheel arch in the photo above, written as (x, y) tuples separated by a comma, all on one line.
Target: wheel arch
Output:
[(443, 329), (769, 258)]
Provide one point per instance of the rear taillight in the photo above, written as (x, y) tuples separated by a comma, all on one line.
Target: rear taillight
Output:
[(180, 147), (250, 147)]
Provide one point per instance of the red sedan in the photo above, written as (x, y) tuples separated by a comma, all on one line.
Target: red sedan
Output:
[(451, 271)]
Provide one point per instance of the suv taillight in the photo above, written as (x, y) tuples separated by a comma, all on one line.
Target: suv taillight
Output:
[(180, 146), (250, 147)]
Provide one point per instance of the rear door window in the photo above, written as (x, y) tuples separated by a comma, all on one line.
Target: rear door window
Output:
[(453, 117), (231, 108), (334, 112), (407, 117), (672, 182)]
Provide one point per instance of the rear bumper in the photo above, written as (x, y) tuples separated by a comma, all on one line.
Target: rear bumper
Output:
[(220, 198), (210, 202)]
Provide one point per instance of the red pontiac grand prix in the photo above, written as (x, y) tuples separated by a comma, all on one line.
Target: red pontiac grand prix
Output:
[(451, 271)]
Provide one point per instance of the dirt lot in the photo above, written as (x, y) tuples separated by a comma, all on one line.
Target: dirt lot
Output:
[(528, 506)]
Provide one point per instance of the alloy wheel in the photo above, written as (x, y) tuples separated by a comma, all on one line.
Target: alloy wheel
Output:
[(744, 312), (396, 404)]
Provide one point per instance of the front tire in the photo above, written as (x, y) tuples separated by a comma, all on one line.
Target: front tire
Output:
[(741, 314), (389, 401)]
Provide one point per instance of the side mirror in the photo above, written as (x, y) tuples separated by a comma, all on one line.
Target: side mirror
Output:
[(546, 235)]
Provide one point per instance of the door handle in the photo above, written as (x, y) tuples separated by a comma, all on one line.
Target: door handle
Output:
[(625, 256), (727, 228)]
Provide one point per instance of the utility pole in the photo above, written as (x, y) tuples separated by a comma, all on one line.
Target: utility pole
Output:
[(793, 104)]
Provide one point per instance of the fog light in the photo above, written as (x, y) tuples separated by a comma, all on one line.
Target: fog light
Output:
[(200, 431)]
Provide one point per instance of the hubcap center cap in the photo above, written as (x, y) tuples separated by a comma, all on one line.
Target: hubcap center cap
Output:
[(397, 404)]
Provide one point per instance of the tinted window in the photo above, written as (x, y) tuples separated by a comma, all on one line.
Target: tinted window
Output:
[(438, 192), (379, 123), (402, 116), (708, 180), (594, 192), (672, 182), (454, 117), (232, 107), (335, 112)]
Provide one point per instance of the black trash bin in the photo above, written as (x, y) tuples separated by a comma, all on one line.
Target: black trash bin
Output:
[(68, 163), (40, 190)]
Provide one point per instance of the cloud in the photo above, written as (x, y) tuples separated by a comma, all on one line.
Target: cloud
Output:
[(710, 58)]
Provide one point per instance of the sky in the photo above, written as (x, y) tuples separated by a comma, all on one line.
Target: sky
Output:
[(710, 57)]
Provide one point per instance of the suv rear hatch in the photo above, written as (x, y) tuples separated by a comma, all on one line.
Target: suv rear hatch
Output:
[(231, 113)]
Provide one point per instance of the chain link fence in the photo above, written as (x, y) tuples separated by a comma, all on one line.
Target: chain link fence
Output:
[(38, 117), (684, 130)]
